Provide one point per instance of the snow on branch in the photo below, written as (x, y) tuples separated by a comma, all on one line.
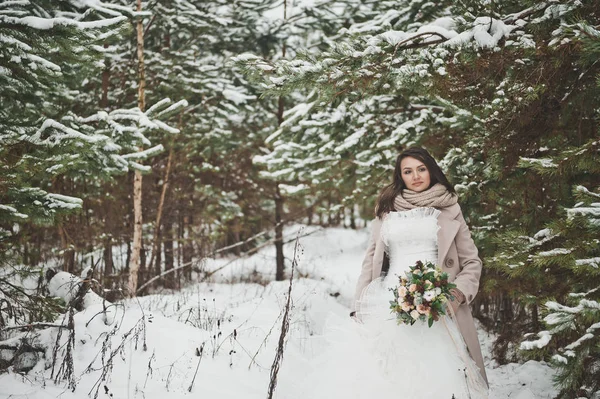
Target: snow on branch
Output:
[(590, 211), (584, 190), (172, 108), (150, 152), (52, 133), (541, 162), (593, 262), (51, 23), (151, 110), (544, 339), (63, 201)]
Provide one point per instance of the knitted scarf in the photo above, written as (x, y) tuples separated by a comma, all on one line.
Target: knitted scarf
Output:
[(436, 196)]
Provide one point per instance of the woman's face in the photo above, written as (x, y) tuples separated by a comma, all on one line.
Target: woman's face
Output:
[(415, 174)]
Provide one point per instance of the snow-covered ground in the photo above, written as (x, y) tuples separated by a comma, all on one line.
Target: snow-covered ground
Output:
[(217, 339)]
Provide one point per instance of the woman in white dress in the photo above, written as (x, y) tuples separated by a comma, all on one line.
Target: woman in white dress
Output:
[(418, 218)]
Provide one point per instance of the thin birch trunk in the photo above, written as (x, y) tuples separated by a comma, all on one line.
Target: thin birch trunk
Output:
[(279, 257), (137, 181)]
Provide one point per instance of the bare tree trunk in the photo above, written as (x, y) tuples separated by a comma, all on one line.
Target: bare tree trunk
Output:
[(128, 256), (158, 261), (68, 251), (26, 259), (187, 245), (236, 237), (279, 273), (179, 247), (161, 204), (108, 258), (137, 181), (105, 81), (168, 243), (134, 263), (143, 271), (280, 265)]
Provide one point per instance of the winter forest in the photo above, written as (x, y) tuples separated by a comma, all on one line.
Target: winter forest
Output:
[(187, 186)]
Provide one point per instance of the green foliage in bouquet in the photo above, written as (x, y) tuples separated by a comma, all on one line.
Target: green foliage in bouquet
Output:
[(421, 295)]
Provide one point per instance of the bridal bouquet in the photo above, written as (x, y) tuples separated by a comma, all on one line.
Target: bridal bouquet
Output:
[(421, 295)]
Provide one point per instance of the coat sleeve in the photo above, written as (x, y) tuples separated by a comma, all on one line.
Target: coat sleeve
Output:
[(366, 273), (467, 280)]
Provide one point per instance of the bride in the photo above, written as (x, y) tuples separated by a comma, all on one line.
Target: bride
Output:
[(418, 218)]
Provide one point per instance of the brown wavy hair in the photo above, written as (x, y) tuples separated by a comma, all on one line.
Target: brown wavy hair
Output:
[(385, 201)]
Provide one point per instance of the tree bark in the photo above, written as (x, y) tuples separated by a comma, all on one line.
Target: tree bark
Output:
[(169, 260), (187, 245), (108, 258), (137, 182), (280, 266), (134, 264), (161, 204), (158, 261), (105, 81), (279, 273), (68, 252)]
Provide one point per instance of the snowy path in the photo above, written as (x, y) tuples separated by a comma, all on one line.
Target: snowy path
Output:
[(234, 325)]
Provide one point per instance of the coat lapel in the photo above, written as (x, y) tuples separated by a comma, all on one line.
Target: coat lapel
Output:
[(448, 229)]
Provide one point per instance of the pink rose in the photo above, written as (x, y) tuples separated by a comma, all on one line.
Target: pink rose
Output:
[(412, 288), (405, 306), (423, 309), (402, 291)]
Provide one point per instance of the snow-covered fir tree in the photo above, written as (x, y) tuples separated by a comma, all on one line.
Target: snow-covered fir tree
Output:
[(48, 53)]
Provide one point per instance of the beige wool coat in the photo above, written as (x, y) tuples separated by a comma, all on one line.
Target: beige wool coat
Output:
[(457, 256)]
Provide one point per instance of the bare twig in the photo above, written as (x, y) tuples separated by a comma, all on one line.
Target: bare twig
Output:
[(200, 352), (285, 325)]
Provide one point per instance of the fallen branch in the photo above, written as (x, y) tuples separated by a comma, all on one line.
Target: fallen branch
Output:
[(32, 326), (16, 348)]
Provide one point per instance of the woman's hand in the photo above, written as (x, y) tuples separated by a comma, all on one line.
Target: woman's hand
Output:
[(467, 279), (459, 299)]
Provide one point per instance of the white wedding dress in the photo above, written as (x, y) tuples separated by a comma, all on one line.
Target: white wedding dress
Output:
[(379, 359)]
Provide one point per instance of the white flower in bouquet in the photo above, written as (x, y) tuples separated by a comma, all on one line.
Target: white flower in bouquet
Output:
[(438, 291), (430, 295), (414, 314)]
